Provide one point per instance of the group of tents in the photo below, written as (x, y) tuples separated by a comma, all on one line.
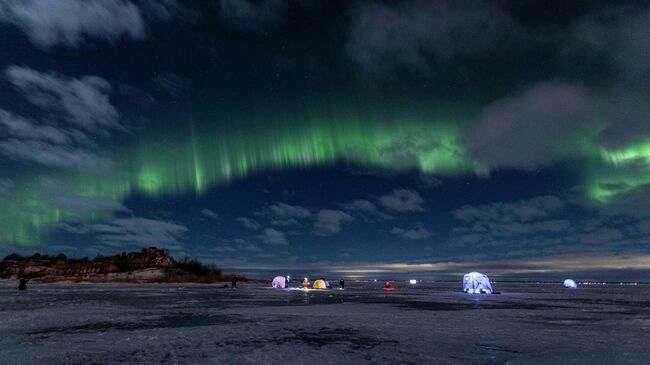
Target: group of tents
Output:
[(281, 282), (473, 283)]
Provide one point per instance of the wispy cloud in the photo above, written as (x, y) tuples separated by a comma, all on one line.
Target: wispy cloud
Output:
[(71, 22), (273, 237), (74, 22), (84, 102), (423, 34), (282, 214), (418, 233), (209, 214), (251, 15), (140, 232), (403, 200), (249, 223), (329, 221), (71, 117), (65, 198), (366, 209)]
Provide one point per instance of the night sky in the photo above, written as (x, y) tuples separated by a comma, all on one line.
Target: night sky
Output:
[(508, 136)]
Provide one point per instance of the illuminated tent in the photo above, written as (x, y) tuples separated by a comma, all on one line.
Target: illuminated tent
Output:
[(476, 283), (320, 284), (279, 282), (570, 284)]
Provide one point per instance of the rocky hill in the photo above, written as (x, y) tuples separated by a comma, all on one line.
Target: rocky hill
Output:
[(149, 265)]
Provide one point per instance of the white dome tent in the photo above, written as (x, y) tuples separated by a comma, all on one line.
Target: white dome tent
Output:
[(476, 283), (570, 284)]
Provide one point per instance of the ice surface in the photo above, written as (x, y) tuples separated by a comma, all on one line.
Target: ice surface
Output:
[(431, 323)]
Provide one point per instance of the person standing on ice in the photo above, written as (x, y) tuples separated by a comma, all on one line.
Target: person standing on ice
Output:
[(22, 284), (233, 282), (342, 283), (387, 285)]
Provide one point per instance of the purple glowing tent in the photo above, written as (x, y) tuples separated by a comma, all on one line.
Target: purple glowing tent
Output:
[(279, 282), (476, 283)]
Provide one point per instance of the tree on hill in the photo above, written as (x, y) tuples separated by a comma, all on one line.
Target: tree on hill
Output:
[(13, 257), (198, 268)]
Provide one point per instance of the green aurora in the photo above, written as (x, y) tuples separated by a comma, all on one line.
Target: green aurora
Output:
[(621, 171), (196, 160), (202, 159)]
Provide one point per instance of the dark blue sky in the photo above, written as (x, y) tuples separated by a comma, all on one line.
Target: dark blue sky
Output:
[(333, 135)]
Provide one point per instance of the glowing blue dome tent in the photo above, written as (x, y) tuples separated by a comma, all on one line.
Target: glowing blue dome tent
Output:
[(570, 284), (476, 283)]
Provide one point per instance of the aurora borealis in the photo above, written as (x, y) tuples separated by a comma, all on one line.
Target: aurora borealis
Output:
[(231, 128)]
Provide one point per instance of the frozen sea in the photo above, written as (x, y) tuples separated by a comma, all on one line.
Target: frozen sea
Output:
[(427, 323)]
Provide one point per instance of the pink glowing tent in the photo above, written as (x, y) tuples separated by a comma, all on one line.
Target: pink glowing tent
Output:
[(279, 282)]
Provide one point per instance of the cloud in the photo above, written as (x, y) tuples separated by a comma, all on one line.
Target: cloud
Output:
[(166, 10), (419, 35), (599, 236), (403, 200), (72, 22), (631, 202), (63, 197), (84, 102), (543, 123), (620, 33), (142, 232), (531, 129), (418, 233), (73, 228), (368, 210), (512, 223), (329, 221), (228, 247), (282, 214), (134, 95), (210, 214), (24, 140), (536, 227), (406, 150), (519, 211), (172, 84), (249, 223), (273, 237), (71, 114), (429, 181), (251, 15), (51, 155), (19, 127)]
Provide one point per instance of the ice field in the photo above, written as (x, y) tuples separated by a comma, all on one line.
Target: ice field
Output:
[(427, 323)]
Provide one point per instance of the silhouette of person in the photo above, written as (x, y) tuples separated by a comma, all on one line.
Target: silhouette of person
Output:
[(22, 284), (234, 282), (342, 283)]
